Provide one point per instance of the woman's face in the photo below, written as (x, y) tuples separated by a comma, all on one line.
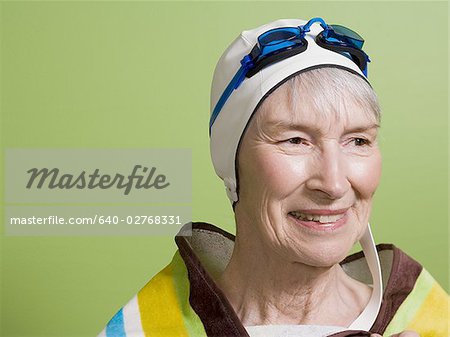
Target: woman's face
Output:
[(306, 179)]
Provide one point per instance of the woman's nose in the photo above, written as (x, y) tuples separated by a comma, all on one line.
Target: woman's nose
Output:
[(329, 176)]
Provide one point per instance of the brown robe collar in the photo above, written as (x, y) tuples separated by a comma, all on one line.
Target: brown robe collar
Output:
[(217, 315)]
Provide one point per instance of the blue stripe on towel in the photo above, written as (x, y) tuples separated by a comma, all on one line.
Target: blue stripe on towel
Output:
[(115, 327)]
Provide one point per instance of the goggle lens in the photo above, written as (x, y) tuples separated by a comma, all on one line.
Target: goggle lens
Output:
[(348, 35), (278, 35), (279, 39)]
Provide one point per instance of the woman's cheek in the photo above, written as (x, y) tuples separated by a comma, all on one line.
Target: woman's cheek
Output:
[(366, 174), (283, 172)]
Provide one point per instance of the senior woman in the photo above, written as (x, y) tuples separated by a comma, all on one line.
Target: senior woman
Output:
[(293, 132)]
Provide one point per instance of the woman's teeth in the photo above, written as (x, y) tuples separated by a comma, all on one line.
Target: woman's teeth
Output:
[(317, 218)]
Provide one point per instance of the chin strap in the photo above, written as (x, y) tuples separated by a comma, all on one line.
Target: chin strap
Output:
[(366, 319)]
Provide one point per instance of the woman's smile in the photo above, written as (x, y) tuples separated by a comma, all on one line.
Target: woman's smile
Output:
[(320, 220)]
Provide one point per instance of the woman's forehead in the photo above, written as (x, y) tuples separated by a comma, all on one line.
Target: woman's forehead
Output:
[(293, 105)]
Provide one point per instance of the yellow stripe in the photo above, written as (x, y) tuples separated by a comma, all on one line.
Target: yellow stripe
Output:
[(159, 307), (433, 317), (408, 309)]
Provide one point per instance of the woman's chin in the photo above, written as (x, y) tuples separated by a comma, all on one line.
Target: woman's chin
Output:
[(324, 254)]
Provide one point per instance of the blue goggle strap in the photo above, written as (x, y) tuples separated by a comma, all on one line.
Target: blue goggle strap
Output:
[(307, 26), (238, 78)]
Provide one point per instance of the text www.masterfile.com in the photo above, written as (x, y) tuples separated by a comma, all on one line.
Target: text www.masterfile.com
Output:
[(97, 219)]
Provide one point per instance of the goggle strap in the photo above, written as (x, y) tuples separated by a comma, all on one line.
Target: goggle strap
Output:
[(254, 53), (307, 27), (236, 81)]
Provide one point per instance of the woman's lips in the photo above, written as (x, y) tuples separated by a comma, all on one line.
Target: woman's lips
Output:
[(320, 220)]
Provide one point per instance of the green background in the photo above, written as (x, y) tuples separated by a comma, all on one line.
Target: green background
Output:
[(137, 75)]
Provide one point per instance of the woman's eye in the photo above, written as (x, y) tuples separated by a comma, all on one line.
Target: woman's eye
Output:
[(296, 140), (361, 141)]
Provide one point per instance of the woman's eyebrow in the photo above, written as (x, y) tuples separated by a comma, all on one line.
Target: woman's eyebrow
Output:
[(279, 126), (284, 126), (362, 128)]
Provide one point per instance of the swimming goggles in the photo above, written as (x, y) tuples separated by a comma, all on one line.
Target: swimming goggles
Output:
[(281, 43)]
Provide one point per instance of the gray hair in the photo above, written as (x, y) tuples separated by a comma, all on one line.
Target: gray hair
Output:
[(331, 90)]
